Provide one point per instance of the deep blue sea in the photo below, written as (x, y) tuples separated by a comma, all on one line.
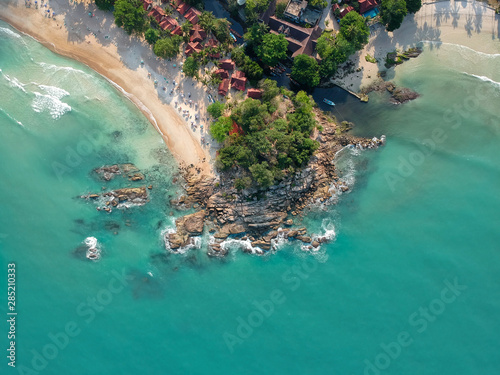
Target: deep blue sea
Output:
[(409, 284)]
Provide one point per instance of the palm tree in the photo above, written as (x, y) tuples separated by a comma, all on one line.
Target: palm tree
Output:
[(186, 28), (207, 21)]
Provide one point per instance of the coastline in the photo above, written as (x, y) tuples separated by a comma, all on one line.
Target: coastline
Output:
[(467, 23), (107, 61)]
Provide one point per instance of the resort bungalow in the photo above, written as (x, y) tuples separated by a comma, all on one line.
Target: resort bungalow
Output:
[(238, 80), (147, 4), (192, 15), (158, 13), (254, 93), (177, 31), (192, 48), (169, 23), (182, 8), (222, 73), (197, 34), (224, 87), (346, 10), (301, 40), (212, 43), (227, 64)]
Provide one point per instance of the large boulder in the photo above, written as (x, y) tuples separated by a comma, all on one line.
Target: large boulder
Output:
[(191, 224)]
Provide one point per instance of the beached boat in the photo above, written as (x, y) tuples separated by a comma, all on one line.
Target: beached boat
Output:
[(329, 102), (232, 36)]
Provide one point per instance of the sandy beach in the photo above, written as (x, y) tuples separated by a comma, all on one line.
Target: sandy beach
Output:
[(129, 63), (469, 23)]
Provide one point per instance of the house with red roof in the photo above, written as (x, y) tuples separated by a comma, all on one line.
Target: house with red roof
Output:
[(224, 87), (158, 13), (147, 4), (346, 10), (227, 64), (238, 80), (254, 93), (177, 31), (169, 23), (192, 47), (211, 44), (222, 73), (197, 34), (192, 15), (182, 8), (236, 129), (366, 5)]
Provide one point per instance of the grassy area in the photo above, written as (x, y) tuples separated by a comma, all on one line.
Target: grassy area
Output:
[(370, 59)]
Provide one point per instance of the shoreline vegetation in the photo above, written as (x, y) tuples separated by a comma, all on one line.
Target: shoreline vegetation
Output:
[(274, 153)]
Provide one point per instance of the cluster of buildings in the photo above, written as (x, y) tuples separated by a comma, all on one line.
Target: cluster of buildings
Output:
[(236, 80), (366, 8)]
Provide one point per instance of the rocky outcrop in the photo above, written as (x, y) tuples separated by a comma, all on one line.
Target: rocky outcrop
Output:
[(186, 227), (399, 95), (109, 172), (119, 198)]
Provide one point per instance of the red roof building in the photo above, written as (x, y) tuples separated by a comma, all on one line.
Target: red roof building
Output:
[(254, 93), (227, 64), (335, 7), (158, 13), (177, 31), (346, 10), (238, 80), (192, 15), (147, 4), (182, 8), (224, 87), (169, 23), (222, 73), (192, 47), (366, 5), (197, 34)]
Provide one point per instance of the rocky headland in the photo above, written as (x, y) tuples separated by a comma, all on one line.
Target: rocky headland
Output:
[(258, 216)]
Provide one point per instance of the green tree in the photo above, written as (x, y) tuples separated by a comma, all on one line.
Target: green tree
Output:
[(207, 21), (221, 30), (151, 35), (220, 129), (242, 183), (354, 29), (305, 71), (269, 89), (105, 4), (129, 15), (413, 6), (252, 70), (261, 174), (318, 3), (272, 49), (186, 28), (168, 47), (216, 109), (254, 36), (392, 13), (190, 67)]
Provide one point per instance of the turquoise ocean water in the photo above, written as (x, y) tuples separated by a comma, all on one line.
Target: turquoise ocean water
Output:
[(409, 285)]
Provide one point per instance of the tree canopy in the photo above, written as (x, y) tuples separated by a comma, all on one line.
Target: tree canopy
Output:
[(105, 4), (305, 71), (272, 49), (392, 13), (190, 67), (413, 6), (220, 129), (129, 15), (151, 35), (216, 109), (354, 29), (168, 47)]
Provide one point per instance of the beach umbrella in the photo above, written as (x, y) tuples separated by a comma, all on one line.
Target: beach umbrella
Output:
[(175, 65)]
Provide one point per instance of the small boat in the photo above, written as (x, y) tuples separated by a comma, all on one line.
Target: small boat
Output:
[(232, 36), (329, 102)]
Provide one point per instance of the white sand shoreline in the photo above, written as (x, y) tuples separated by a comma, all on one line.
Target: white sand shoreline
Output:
[(471, 24)]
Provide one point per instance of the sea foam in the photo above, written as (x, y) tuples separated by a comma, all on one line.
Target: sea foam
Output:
[(51, 104)]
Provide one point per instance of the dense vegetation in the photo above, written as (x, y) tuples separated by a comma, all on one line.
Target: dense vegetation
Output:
[(305, 71), (252, 70), (269, 48), (393, 12), (105, 4), (336, 49), (129, 14), (270, 145)]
